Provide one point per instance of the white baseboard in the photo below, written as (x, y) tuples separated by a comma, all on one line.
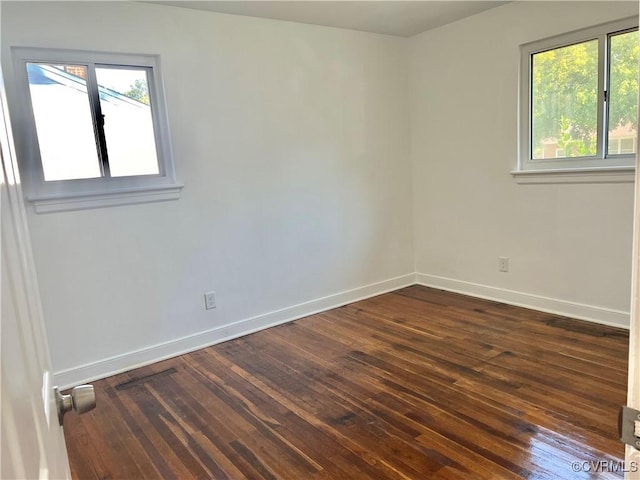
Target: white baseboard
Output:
[(605, 316), (145, 356), (155, 353)]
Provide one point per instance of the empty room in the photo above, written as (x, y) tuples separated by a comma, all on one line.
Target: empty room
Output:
[(307, 239)]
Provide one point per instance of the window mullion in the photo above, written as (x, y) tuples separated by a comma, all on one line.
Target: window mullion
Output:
[(602, 100), (98, 119), (529, 107)]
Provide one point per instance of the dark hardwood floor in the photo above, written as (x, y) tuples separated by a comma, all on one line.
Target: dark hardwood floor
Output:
[(413, 384)]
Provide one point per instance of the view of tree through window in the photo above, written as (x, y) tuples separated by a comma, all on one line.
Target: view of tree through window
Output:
[(565, 99), (623, 87), (139, 91), (66, 129), (128, 125)]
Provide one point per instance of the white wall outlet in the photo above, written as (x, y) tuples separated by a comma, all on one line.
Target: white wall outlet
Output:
[(210, 300), (504, 264)]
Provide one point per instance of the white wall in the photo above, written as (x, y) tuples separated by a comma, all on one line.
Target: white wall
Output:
[(299, 147), (569, 245), (292, 142)]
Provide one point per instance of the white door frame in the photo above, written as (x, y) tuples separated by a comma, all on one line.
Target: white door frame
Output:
[(32, 443), (632, 455)]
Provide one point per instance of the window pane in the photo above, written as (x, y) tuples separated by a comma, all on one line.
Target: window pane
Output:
[(623, 94), (128, 125), (564, 101), (64, 125)]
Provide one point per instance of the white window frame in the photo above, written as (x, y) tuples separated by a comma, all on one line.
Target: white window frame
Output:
[(610, 168), (60, 195)]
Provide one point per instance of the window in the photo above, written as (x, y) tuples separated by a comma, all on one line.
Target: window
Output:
[(579, 100), (92, 130)]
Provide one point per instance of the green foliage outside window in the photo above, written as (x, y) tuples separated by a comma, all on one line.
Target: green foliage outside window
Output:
[(565, 94), (139, 91)]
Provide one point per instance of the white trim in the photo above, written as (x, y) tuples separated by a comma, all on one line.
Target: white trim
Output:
[(24, 312), (600, 33), (592, 313), (155, 353), (53, 203), (97, 192), (575, 175), (632, 454), (145, 356)]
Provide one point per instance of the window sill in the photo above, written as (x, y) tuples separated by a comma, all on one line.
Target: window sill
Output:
[(83, 201), (576, 175)]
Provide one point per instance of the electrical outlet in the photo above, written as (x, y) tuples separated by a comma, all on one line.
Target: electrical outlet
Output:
[(210, 300), (504, 264)]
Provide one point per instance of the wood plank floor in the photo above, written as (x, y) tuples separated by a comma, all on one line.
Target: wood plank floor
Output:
[(413, 384)]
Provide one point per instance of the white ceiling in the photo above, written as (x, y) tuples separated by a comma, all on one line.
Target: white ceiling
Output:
[(402, 18)]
